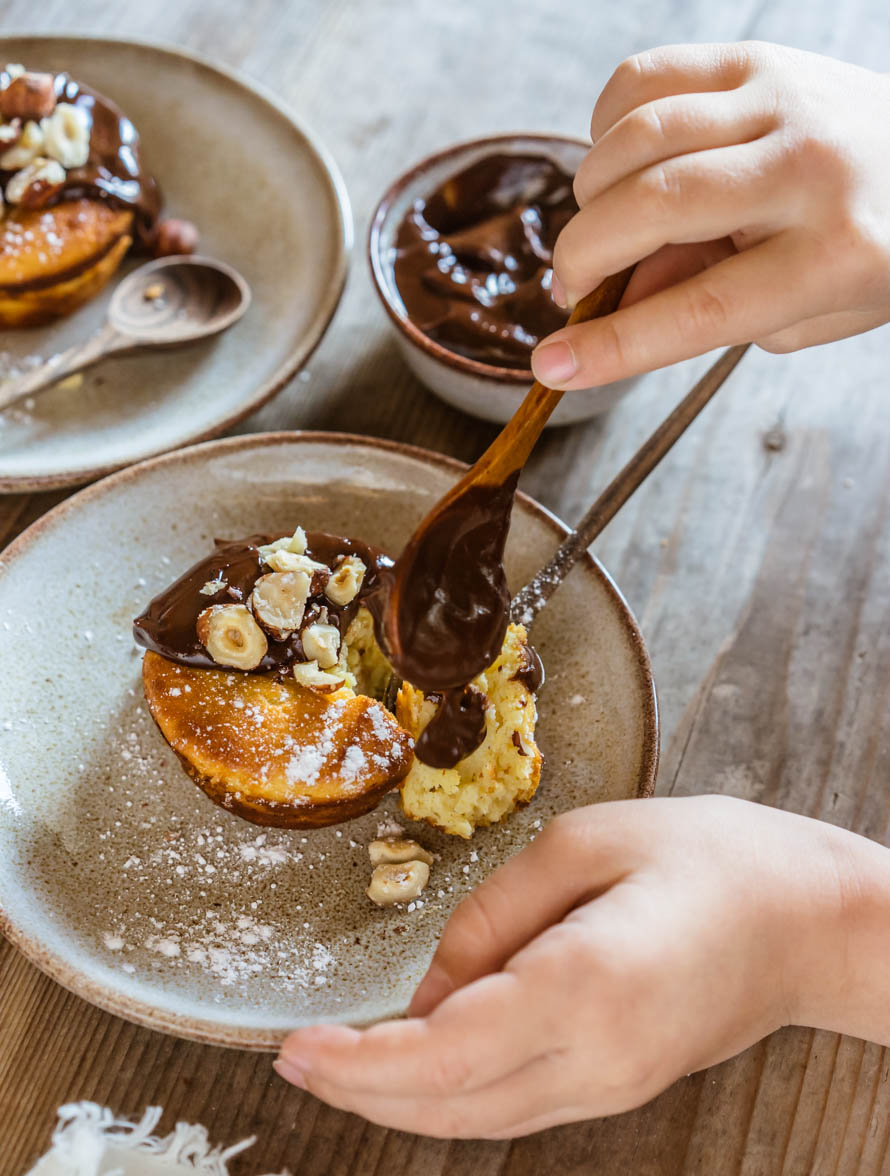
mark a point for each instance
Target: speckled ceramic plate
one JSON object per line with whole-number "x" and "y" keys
{"x": 122, "y": 880}
{"x": 266, "y": 198}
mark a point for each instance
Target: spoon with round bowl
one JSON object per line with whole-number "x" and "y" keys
{"x": 164, "y": 303}
{"x": 444, "y": 614}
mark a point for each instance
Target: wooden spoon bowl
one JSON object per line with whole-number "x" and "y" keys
{"x": 164, "y": 303}
{"x": 178, "y": 300}
{"x": 446, "y": 609}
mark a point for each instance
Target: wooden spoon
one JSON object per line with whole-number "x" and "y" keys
{"x": 529, "y": 602}
{"x": 164, "y": 303}
{"x": 444, "y": 613}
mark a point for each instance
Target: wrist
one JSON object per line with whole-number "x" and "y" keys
{"x": 839, "y": 978}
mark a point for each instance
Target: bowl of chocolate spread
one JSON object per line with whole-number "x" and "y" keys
{"x": 461, "y": 250}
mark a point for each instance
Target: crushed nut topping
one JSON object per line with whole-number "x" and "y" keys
{"x": 394, "y": 882}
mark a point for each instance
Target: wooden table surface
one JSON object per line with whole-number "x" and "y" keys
{"x": 757, "y": 560}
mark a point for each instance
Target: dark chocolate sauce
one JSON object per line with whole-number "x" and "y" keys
{"x": 445, "y": 625}
{"x": 473, "y": 261}
{"x": 531, "y": 672}
{"x": 168, "y": 625}
{"x": 455, "y": 730}
{"x": 113, "y": 172}
{"x": 448, "y": 619}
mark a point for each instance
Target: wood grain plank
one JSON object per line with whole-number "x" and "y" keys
{"x": 761, "y": 577}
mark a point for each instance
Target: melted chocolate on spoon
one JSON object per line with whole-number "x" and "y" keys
{"x": 450, "y": 616}
{"x": 448, "y": 621}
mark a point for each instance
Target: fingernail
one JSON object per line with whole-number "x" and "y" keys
{"x": 558, "y": 292}
{"x": 431, "y": 991}
{"x": 289, "y": 1072}
{"x": 554, "y": 363}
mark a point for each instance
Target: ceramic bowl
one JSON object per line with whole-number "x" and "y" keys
{"x": 481, "y": 389}
{"x": 120, "y": 879}
{"x": 266, "y": 198}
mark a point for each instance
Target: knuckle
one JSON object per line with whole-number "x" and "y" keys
{"x": 621, "y": 964}
{"x": 752, "y": 55}
{"x": 574, "y": 951}
{"x": 817, "y": 161}
{"x": 618, "y": 90}
{"x": 647, "y": 124}
{"x": 707, "y": 311}
{"x": 629, "y": 72}
{"x": 662, "y": 189}
{"x": 560, "y": 835}
{"x": 449, "y": 1073}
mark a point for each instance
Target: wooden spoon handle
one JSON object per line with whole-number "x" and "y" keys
{"x": 531, "y": 599}
{"x": 510, "y": 449}
{"x": 57, "y": 367}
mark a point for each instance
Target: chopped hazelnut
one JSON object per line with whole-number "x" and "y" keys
{"x": 321, "y": 643}
{"x": 397, "y": 850}
{"x": 175, "y": 237}
{"x": 30, "y": 95}
{"x": 394, "y": 882}
{"x": 308, "y": 674}
{"x": 345, "y": 581}
{"x": 231, "y": 636}
{"x": 33, "y": 183}
{"x": 26, "y": 146}
{"x": 66, "y": 135}
{"x": 278, "y": 601}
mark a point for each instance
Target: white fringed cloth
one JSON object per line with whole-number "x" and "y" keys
{"x": 90, "y": 1140}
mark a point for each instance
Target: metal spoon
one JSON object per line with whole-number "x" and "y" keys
{"x": 531, "y": 599}
{"x": 164, "y": 303}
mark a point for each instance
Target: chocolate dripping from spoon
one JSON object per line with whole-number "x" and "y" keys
{"x": 442, "y": 611}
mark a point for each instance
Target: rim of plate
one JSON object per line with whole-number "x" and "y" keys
{"x": 327, "y": 305}
{"x": 205, "y": 1029}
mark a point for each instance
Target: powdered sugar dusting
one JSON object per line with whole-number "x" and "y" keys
{"x": 389, "y": 828}
{"x": 305, "y": 765}
{"x": 179, "y": 894}
{"x": 233, "y": 951}
{"x": 354, "y": 763}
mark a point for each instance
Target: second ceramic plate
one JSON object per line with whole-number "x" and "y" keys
{"x": 123, "y": 881}
{"x": 266, "y": 198}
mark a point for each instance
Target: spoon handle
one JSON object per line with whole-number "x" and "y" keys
{"x": 512, "y": 446}
{"x": 531, "y": 599}
{"x": 64, "y": 363}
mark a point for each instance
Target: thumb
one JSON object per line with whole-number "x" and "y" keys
{"x": 569, "y": 863}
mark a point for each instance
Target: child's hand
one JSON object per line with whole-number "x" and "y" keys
{"x": 754, "y": 181}
{"x": 630, "y": 944}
